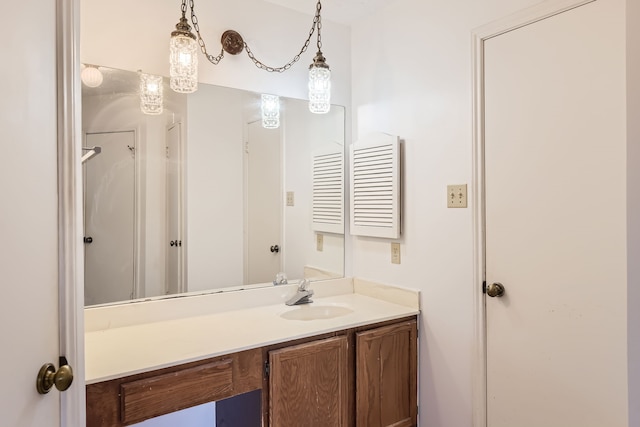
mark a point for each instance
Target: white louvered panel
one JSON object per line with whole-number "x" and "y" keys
{"x": 328, "y": 191}
{"x": 375, "y": 186}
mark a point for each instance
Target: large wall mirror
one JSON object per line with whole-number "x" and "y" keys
{"x": 203, "y": 197}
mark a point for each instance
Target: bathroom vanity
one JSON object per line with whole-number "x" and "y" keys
{"x": 347, "y": 359}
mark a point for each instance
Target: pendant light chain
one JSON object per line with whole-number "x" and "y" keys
{"x": 317, "y": 22}
{"x": 194, "y": 20}
{"x": 319, "y": 25}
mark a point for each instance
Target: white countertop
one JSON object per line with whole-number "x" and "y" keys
{"x": 115, "y": 352}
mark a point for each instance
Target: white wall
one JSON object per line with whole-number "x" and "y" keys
{"x": 134, "y": 35}
{"x": 214, "y": 199}
{"x": 420, "y": 89}
{"x": 304, "y": 133}
{"x": 633, "y": 207}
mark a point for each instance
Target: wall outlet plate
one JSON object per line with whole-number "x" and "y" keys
{"x": 457, "y": 196}
{"x": 395, "y": 253}
{"x": 319, "y": 242}
{"x": 290, "y": 198}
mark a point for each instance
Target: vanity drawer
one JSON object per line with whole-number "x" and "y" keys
{"x": 132, "y": 399}
{"x": 161, "y": 394}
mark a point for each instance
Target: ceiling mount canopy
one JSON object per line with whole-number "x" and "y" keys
{"x": 184, "y": 59}
{"x": 232, "y": 42}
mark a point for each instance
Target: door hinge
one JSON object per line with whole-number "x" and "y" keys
{"x": 484, "y": 287}
{"x": 267, "y": 368}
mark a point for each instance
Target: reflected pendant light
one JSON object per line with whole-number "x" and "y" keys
{"x": 270, "y": 111}
{"x": 183, "y": 57}
{"x": 151, "y": 97}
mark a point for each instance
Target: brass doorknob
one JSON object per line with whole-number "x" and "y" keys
{"x": 495, "y": 290}
{"x": 48, "y": 377}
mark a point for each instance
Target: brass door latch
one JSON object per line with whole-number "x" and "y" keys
{"x": 48, "y": 377}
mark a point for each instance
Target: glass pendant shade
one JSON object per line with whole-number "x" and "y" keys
{"x": 151, "y": 96}
{"x": 183, "y": 59}
{"x": 319, "y": 86}
{"x": 91, "y": 76}
{"x": 270, "y": 111}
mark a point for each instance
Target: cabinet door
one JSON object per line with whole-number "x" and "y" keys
{"x": 386, "y": 376}
{"x": 308, "y": 384}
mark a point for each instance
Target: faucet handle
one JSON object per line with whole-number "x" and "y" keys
{"x": 304, "y": 284}
{"x": 281, "y": 279}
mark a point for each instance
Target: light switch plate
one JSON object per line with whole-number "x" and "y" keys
{"x": 457, "y": 196}
{"x": 395, "y": 253}
{"x": 290, "y": 198}
{"x": 319, "y": 242}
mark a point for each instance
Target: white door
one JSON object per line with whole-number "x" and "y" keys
{"x": 110, "y": 218}
{"x": 174, "y": 211}
{"x": 555, "y": 221}
{"x": 264, "y": 203}
{"x": 29, "y": 330}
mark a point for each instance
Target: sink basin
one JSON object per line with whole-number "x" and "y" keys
{"x": 315, "y": 312}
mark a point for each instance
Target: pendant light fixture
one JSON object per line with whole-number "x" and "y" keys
{"x": 319, "y": 75}
{"x": 319, "y": 85}
{"x": 91, "y": 76}
{"x": 183, "y": 56}
{"x": 270, "y": 108}
{"x": 151, "y": 99}
{"x": 184, "y": 62}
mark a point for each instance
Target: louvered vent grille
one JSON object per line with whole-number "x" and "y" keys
{"x": 375, "y": 187}
{"x": 328, "y": 192}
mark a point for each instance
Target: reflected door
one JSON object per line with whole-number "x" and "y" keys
{"x": 174, "y": 247}
{"x": 109, "y": 212}
{"x": 264, "y": 204}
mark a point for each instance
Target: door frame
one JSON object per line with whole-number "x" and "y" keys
{"x": 181, "y": 211}
{"x": 70, "y": 249}
{"x": 479, "y": 35}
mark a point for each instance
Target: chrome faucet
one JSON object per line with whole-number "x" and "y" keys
{"x": 303, "y": 294}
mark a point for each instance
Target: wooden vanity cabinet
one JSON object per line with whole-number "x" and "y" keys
{"x": 366, "y": 377}
{"x": 362, "y": 377}
{"x": 309, "y": 384}
{"x": 386, "y": 376}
